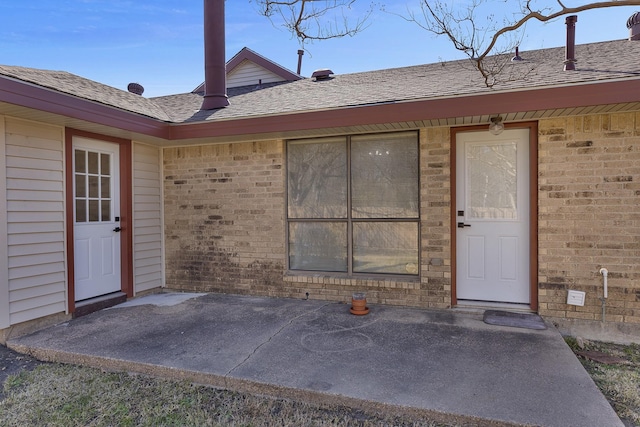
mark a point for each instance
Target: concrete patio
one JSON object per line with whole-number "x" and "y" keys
{"x": 444, "y": 365}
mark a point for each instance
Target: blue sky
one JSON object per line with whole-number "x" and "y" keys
{"x": 159, "y": 43}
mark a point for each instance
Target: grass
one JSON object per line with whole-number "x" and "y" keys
{"x": 66, "y": 395}
{"x": 620, "y": 383}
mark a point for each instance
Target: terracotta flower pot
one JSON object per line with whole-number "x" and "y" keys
{"x": 359, "y": 304}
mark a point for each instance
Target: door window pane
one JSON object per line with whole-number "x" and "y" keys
{"x": 93, "y": 163}
{"x": 93, "y": 186}
{"x": 81, "y": 210}
{"x": 385, "y": 177}
{"x": 105, "y": 207}
{"x": 81, "y": 185}
{"x": 105, "y": 187}
{"x": 94, "y": 211}
{"x": 491, "y": 181}
{"x": 80, "y": 161}
{"x": 317, "y": 178}
{"x": 318, "y": 246}
{"x": 105, "y": 160}
{"x": 385, "y": 247}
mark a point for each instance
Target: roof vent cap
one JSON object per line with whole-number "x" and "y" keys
{"x": 517, "y": 57}
{"x": 633, "y": 24}
{"x": 136, "y": 88}
{"x": 322, "y": 74}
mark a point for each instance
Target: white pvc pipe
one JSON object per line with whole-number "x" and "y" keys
{"x": 604, "y": 273}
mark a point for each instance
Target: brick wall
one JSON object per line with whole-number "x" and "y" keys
{"x": 435, "y": 196}
{"x": 225, "y": 221}
{"x": 589, "y": 215}
{"x": 224, "y": 212}
{"x": 225, "y": 226}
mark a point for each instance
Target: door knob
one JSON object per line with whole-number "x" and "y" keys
{"x": 117, "y": 229}
{"x": 463, "y": 225}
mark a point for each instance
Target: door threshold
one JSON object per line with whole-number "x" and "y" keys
{"x": 91, "y": 305}
{"x": 474, "y": 305}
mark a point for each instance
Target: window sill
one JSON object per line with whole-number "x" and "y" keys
{"x": 377, "y": 281}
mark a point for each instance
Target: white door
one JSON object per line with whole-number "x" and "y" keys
{"x": 96, "y": 218}
{"x": 492, "y": 216}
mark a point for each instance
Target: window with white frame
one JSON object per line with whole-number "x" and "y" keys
{"x": 353, "y": 204}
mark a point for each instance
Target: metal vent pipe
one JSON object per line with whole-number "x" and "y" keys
{"x": 300, "y": 53}
{"x": 570, "y": 49}
{"x": 633, "y": 24}
{"x": 215, "y": 73}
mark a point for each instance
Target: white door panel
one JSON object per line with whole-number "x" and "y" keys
{"x": 96, "y": 217}
{"x": 492, "y": 207}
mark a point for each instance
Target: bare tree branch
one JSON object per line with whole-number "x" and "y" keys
{"x": 310, "y": 20}
{"x": 476, "y": 30}
{"x": 480, "y": 43}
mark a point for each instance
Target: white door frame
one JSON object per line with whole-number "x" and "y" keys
{"x": 533, "y": 207}
{"x": 96, "y": 227}
{"x": 126, "y": 212}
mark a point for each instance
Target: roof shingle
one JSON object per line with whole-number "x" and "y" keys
{"x": 597, "y": 62}
{"x": 62, "y": 81}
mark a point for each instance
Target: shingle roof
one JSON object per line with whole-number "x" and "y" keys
{"x": 80, "y": 87}
{"x": 597, "y": 62}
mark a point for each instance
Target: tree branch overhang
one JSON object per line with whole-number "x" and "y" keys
{"x": 536, "y": 99}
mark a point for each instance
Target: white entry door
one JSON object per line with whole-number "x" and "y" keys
{"x": 492, "y": 216}
{"x": 96, "y": 218}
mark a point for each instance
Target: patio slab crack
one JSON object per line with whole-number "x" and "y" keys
{"x": 275, "y": 334}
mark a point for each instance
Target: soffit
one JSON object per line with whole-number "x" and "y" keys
{"x": 413, "y": 125}
{"x": 24, "y": 113}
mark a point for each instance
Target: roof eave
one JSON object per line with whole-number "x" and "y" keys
{"x": 36, "y": 97}
{"x": 579, "y": 95}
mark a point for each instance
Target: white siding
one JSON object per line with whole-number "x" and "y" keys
{"x": 35, "y": 250}
{"x": 147, "y": 218}
{"x": 249, "y": 73}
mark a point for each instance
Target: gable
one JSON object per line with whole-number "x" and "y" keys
{"x": 249, "y": 73}
{"x": 248, "y": 68}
